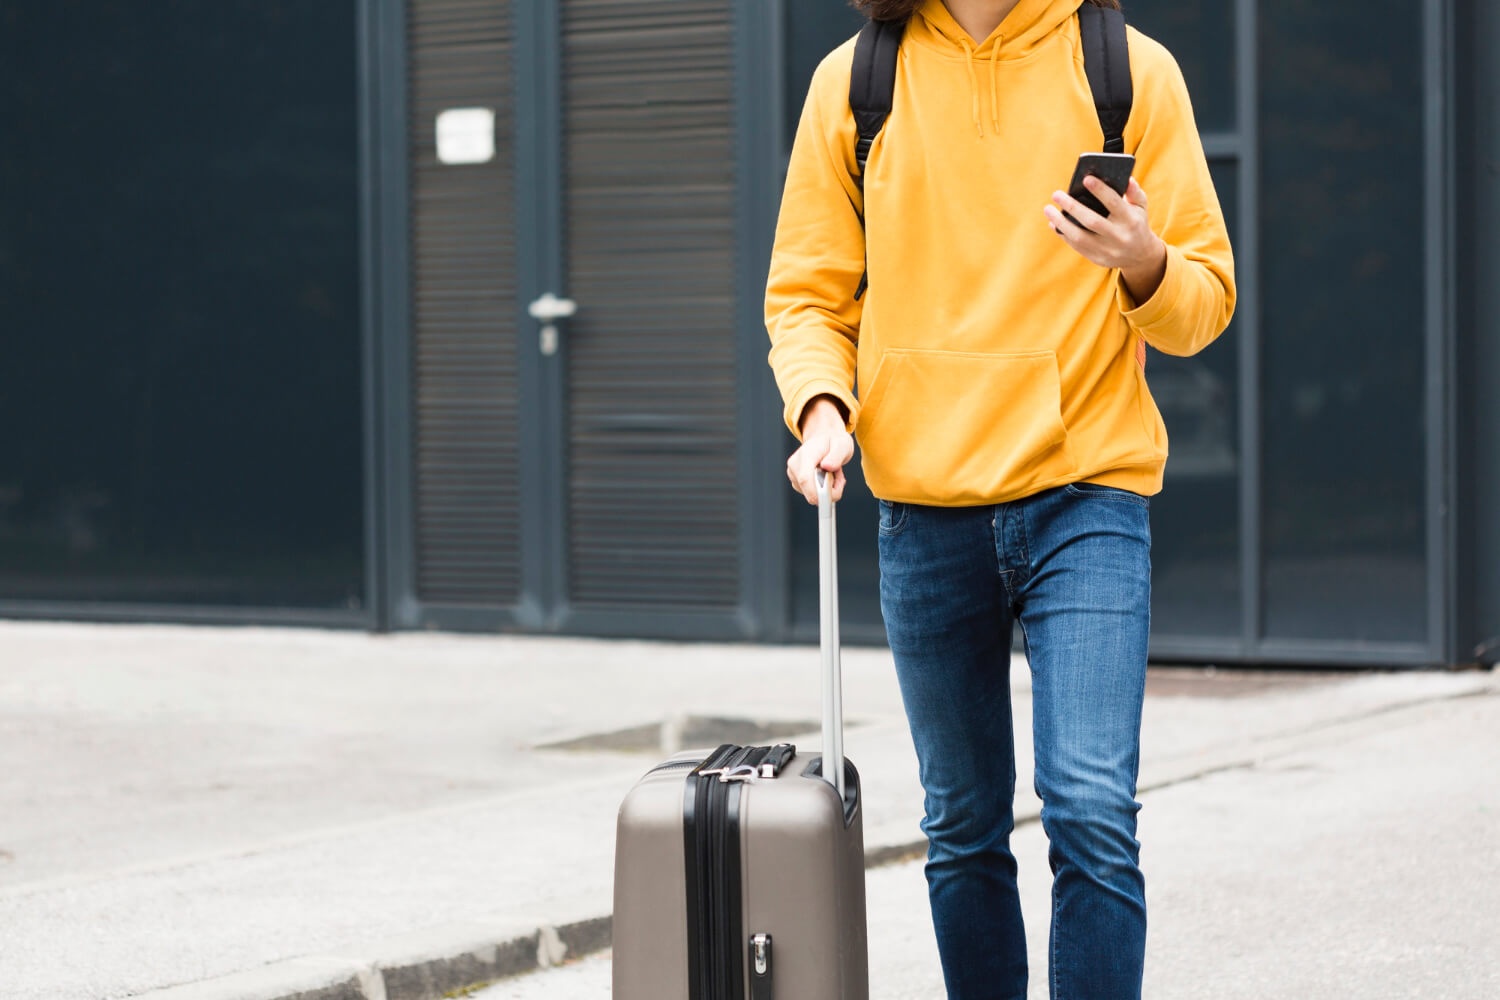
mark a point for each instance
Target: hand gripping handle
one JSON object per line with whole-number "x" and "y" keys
{"x": 828, "y": 600}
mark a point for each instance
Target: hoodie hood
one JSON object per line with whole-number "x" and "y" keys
{"x": 1026, "y": 25}
{"x": 1024, "y": 28}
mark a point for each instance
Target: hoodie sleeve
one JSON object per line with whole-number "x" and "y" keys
{"x": 819, "y": 253}
{"x": 1195, "y": 300}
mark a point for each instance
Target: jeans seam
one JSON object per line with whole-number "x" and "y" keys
{"x": 1052, "y": 944}
{"x": 1117, "y": 496}
{"x": 898, "y": 518}
{"x": 1026, "y": 542}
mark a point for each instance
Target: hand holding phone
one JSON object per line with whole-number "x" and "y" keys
{"x": 1113, "y": 169}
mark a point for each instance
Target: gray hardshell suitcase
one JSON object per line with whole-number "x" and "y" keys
{"x": 739, "y": 871}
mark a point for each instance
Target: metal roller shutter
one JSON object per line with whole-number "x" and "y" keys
{"x": 463, "y": 240}
{"x": 649, "y": 153}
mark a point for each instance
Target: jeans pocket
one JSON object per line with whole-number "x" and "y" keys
{"x": 1098, "y": 491}
{"x": 892, "y": 517}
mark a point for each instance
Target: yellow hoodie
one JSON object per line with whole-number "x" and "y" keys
{"x": 993, "y": 361}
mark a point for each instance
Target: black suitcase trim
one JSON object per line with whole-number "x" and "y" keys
{"x": 711, "y": 848}
{"x": 711, "y": 844}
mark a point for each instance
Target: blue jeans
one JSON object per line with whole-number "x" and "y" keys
{"x": 1073, "y": 565}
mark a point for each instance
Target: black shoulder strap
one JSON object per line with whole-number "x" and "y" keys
{"x": 872, "y": 83}
{"x": 1106, "y": 60}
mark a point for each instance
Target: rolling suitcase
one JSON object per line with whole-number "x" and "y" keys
{"x": 739, "y": 871}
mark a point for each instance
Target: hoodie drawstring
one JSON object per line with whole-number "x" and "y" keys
{"x": 995, "y": 86}
{"x": 973, "y": 89}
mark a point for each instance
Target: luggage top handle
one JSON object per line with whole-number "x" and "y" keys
{"x": 828, "y": 601}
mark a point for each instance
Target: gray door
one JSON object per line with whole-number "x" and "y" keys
{"x": 466, "y": 412}
{"x": 575, "y": 364}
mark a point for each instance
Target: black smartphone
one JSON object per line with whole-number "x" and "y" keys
{"x": 1113, "y": 169}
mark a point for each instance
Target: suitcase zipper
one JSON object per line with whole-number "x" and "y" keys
{"x": 762, "y": 987}
{"x": 733, "y": 766}
{"x": 675, "y": 765}
{"x": 699, "y": 882}
{"x": 711, "y": 839}
{"x": 726, "y": 943}
{"x": 718, "y": 759}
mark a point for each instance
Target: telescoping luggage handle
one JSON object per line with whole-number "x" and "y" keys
{"x": 828, "y": 601}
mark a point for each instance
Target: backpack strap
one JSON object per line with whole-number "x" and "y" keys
{"x": 1106, "y": 60}
{"x": 872, "y": 84}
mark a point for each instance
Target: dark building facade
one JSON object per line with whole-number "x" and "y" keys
{"x": 446, "y": 314}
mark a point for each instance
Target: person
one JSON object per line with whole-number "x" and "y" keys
{"x": 1006, "y": 428}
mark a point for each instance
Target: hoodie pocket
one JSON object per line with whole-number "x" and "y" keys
{"x": 958, "y": 428}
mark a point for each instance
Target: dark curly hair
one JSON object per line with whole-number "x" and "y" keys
{"x": 900, "y": 10}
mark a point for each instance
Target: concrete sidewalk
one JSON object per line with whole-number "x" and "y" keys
{"x": 265, "y": 814}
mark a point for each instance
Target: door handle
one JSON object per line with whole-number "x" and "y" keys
{"x": 548, "y": 309}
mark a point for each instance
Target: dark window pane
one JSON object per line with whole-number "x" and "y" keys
{"x": 1195, "y": 528}
{"x": 1200, "y": 34}
{"x": 1342, "y": 260}
{"x": 813, "y": 29}
{"x": 179, "y": 261}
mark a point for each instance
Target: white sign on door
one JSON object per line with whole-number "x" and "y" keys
{"x": 466, "y": 135}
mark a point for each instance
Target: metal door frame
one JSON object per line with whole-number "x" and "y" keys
{"x": 388, "y": 303}
{"x": 1476, "y": 32}
{"x": 765, "y": 562}
{"x": 543, "y": 380}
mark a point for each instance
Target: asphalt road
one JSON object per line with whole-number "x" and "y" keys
{"x": 1361, "y": 861}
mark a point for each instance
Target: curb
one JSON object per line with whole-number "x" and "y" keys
{"x": 439, "y": 963}
{"x": 444, "y": 962}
